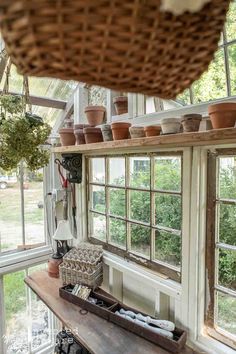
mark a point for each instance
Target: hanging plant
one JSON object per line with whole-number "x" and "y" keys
{"x": 21, "y": 135}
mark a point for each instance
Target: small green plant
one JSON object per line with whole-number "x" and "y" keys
{"x": 21, "y": 135}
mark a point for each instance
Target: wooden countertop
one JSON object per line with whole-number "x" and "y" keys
{"x": 96, "y": 334}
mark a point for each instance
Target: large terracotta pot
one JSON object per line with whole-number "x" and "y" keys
{"x": 67, "y": 137}
{"x": 222, "y": 115}
{"x": 79, "y": 134}
{"x": 120, "y": 130}
{"x": 152, "y": 130}
{"x": 191, "y": 122}
{"x": 121, "y": 104}
{"x": 95, "y": 115}
{"x": 93, "y": 135}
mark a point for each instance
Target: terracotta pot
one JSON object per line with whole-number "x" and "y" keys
{"x": 106, "y": 132}
{"x": 222, "y": 115}
{"x": 92, "y": 135}
{"x": 136, "y": 132}
{"x": 121, "y": 104}
{"x": 191, "y": 122}
{"x": 120, "y": 130}
{"x": 170, "y": 125}
{"x": 152, "y": 130}
{"x": 67, "y": 137}
{"x": 79, "y": 134}
{"x": 95, "y": 115}
{"x": 53, "y": 266}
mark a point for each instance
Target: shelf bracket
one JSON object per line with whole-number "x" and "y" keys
{"x": 73, "y": 164}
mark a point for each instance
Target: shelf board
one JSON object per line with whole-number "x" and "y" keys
{"x": 210, "y": 137}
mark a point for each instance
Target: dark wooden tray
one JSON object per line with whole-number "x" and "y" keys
{"x": 174, "y": 345}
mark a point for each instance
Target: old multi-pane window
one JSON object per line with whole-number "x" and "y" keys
{"x": 135, "y": 207}
{"x": 221, "y": 246}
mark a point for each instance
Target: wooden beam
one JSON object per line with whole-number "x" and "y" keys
{"x": 210, "y": 137}
{"x": 43, "y": 101}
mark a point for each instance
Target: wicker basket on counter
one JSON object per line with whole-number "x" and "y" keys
{"x": 83, "y": 265}
{"x": 129, "y": 46}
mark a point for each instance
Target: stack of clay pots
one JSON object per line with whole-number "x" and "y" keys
{"x": 95, "y": 116}
{"x": 66, "y": 133}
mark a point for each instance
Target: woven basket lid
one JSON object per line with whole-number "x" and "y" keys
{"x": 128, "y": 46}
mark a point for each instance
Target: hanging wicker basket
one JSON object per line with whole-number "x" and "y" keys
{"x": 127, "y": 45}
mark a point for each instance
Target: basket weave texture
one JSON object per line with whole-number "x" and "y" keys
{"x": 123, "y": 45}
{"x": 82, "y": 265}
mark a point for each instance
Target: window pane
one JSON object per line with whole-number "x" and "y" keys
{"x": 212, "y": 84}
{"x": 231, "y": 22}
{"x": 16, "y": 313}
{"x": 49, "y": 115}
{"x": 117, "y": 232}
{"x": 117, "y": 202}
{"x": 10, "y": 212}
{"x": 168, "y": 173}
{"x": 232, "y": 67}
{"x": 141, "y": 239}
{"x": 168, "y": 211}
{"x": 140, "y": 172}
{"x": 227, "y": 177}
{"x": 117, "y": 171}
{"x": 98, "y": 226}
{"x": 168, "y": 248}
{"x": 226, "y": 308}
{"x": 227, "y": 268}
{"x": 34, "y": 208}
{"x": 140, "y": 206}
{"x": 97, "y": 170}
{"x": 184, "y": 98}
{"x": 98, "y": 198}
{"x": 227, "y": 224}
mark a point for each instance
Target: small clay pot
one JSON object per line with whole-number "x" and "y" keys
{"x": 92, "y": 135}
{"x": 53, "y": 267}
{"x": 121, "y": 104}
{"x": 106, "y": 132}
{"x": 191, "y": 122}
{"x": 170, "y": 125}
{"x": 120, "y": 130}
{"x": 152, "y": 130}
{"x": 136, "y": 132}
{"x": 95, "y": 115}
{"x": 222, "y": 115}
{"x": 79, "y": 134}
{"x": 67, "y": 137}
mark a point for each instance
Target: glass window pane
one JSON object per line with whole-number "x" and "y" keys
{"x": 140, "y": 172}
{"x": 212, "y": 84}
{"x": 140, "y": 206}
{"x": 141, "y": 239}
{"x": 168, "y": 210}
{"x": 98, "y": 198}
{"x": 49, "y": 115}
{"x": 34, "y": 207}
{"x": 10, "y": 211}
{"x": 226, "y": 312}
{"x": 117, "y": 202}
{"x": 168, "y": 173}
{"x": 227, "y": 268}
{"x": 168, "y": 248}
{"x": 227, "y": 177}
{"x": 117, "y": 171}
{"x": 227, "y": 224}
{"x": 231, "y": 22}
{"x": 232, "y": 67}
{"x": 98, "y": 226}
{"x": 117, "y": 232}
{"x": 97, "y": 170}
{"x": 184, "y": 98}
{"x": 16, "y": 313}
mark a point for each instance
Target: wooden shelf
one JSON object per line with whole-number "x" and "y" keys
{"x": 99, "y": 336}
{"x": 210, "y": 137}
